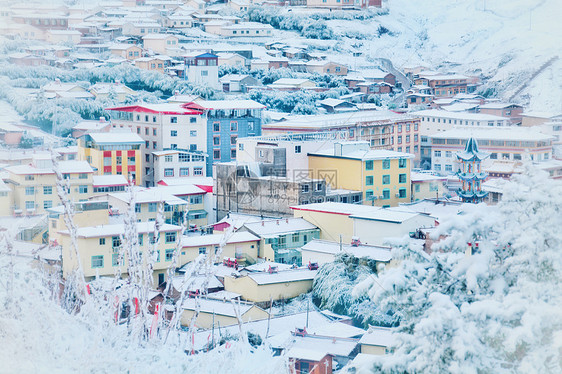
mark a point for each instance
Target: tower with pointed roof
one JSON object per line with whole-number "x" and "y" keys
{"x": 470, "y": 173}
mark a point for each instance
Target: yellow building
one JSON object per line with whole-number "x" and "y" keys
{"x": 113, "y": 153}
{"x": 189, "y": 202}
{"x": 34, "y": 187}
{"x": 382, "y": 176}
{"x": 427, "y": 186}
{"x": 86, "y": 213}
{"x": 223, "y": 313}
{"x": 377, "y": 341}
{"x": 98, "y": 248}
{"x": 332, "y": 218}
{"x": 6, "y": 200}
{"x": 261, "y": 287}
{"x": 243, "y": 246}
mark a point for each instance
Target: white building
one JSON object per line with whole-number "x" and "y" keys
{"x": 175, "y": 163}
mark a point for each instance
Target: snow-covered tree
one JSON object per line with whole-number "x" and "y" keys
{"x": 497, "y": 310}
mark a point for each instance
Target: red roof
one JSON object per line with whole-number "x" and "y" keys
{"x": 205, "y": 188}
{"x": 142, "y": 109}
{"x": 193, "y": 106}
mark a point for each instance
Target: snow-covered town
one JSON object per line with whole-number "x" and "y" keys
{"x": 272, "y": 186}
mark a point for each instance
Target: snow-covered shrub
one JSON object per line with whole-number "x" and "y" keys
{"x": 333, "y": 286}
{"x": 497, "y": 310}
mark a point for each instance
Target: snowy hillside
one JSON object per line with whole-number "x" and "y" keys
{"x": 503, "y": 40}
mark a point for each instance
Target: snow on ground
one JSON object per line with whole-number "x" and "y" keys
{"x": 40, "y": 337}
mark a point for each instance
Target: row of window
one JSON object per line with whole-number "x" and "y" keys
{"x": 369, "y": 180}
{"x": 98, "y": 261}
{"x": 217, "y": 140}
{"x": 233, "y": 126}
{"x": 402, "y": 193}
{"x": 402, "y": 163}
{"x": 30, "y": 205}
{"x": 182, "y": 157}
{"x": 183, "y": 172}
{"x": 48, "y": 190}
{"x": 217, "y": 154}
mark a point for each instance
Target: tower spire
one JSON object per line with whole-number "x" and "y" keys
{"x": 471, "y": 173}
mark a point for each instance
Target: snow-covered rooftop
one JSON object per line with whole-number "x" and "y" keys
{"x": 379, "y": 336}
{"x": 493, "y": 133}
{"x": 109, "y": 180}
{"x": 377, "y": 253}
{"x": 219, "y": 307}
{"x": 337, "y": 208}
{"x": 435, "y": 113}
{"x": 112, "y": 138}
{"x": 283, "y": 276}
{"x": 279, "y": 226}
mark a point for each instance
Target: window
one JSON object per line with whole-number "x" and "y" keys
{"x": 386, "y": 194}
{"x": 402, "y": 178}
{"x": 369, "y": 165}
{"x": 399, "y": 128}
{"x": 399, "y": 141}
{"x": 30, "y": 191}
{"x": 152, "y": 207}
{"x": 448, "y": 167}
{"x": 168, "y": 158}
{"x": 305, "y": 188}
{"x": 147, "y": 158}
{"x": 216, "y": 127}
{"x": 297, "y": 149}
{"x": 184, "y": 172}
{"x": 517, "y": 156}
{"x": 296, "y": 237}
{"x": 233, "y": 153}
{"x": 216, "y": 140}
{"x": 318, "y": 186}
{"x": 437, "y": 167}
{"x": 204, "y": 73}
{"x": 102, "y": 241}
{"x": 131, "y": 160}
{"x": 169, "y": 254}
{"x": 145, "y": 129}
{"x": 407, "y": 138}
{"x": 119, "y": 160}
{"x": 369, "y": 195}
{"x": 437, "y": 153}
{"x": 97, "y": 262}
{"x": 402, "y": 193}
{"x": 197, "y": 171}
{"x": 47, "y": 204}
{"x": 151, "y": 238}
{"x": 240, "y": 147}
{"x": 82, "y": 176}
{"x": 170, "y": 237}
{"x": 115, "y": 242}
{"x": 47, "y": 190}
{"x": 140, "y": 239}
{"x": 193, "y": 133}
{"x": 202, "y": 250}
{"x": 83, "y": 189}
{"x": 195, "y": 199}
{"x": 369, "y": 180}
{"x": 137, "y": 208}
{"x": 386, "y": 179}
{"x": 402, "y": 163}
{"x": 386, "y": 164}
{"x": 173, "y": 120}
{"x": 494, "y": 156}
{"x": 168, "y": 172}
{"x": 449, "y": 154}
{"x": 29, "y": 177}
{"x": 217, "y": 154}
{"x": 233, "y": 126}
{"x": 192, "y": 119}
{"x": 153, "y": 118}
{"x": 115, "y": 260}
{"x": 154, "y": 144}
{"x": 146, "y": 144}
{"x": 173, "y": 133}
{"x": 417, "y": 188}
{"x": 30, "y": 205}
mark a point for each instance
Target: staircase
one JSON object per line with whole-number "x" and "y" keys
{"x": 533, "y": 76}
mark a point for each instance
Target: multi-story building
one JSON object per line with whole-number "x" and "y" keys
{"x": 503, "y": 143}
{"x": 34, "y": 186}
{"x": 227, "y": 121}
{"x": 162, "y": 126}
{"x": 99, "y": 248}
{"x": 381, "y": 129}
{"x": 434, "y": 121}
{"x": 444, "y": 85}
{"x": 202, "y": 69}
{"x": 173, "y": 163}
{"x": 287, "y": 153}
{"x": 113, "y": 153}
{"x": 282, "y": 238}
{"x": 382, "y": 176}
